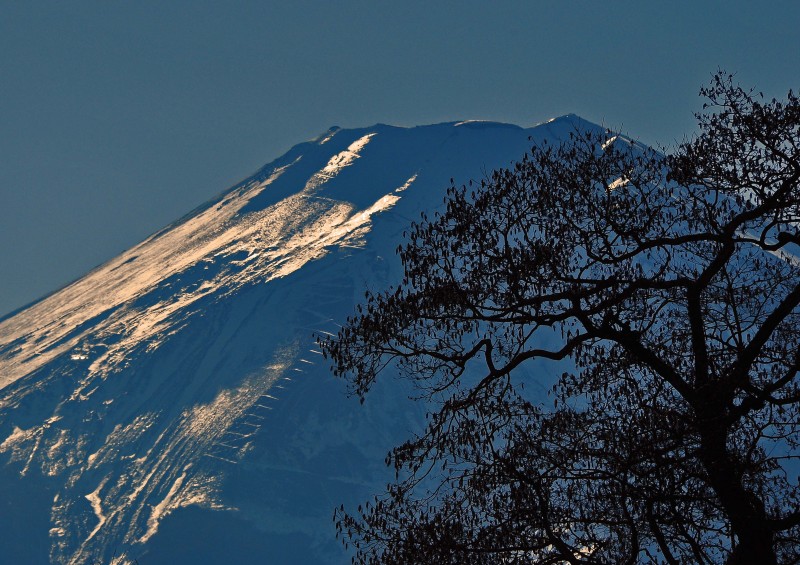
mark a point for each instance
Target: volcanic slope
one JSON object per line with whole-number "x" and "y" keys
{"x": 171, "y": 405}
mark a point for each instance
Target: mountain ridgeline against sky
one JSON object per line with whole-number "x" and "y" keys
{"x": 171, "y": 406}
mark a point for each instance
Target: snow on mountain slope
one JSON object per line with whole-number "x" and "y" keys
{"x": 171, "y": 406}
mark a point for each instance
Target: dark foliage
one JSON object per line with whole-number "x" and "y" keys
{"x": 665, "y": 286}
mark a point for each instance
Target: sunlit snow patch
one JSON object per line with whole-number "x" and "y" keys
{"x": 615, "y": 184}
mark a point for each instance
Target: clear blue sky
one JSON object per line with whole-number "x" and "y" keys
{"x": 118, "y": 117}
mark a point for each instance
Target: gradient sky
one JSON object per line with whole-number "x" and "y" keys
{"x": 119, "y": 117}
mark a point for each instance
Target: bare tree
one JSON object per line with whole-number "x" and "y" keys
{"x": 668, "y": 288}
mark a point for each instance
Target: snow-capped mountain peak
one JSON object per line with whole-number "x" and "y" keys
{"x": 171, "y": 406}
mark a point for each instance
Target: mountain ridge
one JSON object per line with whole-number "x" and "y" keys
{"x": 571, "y": 118}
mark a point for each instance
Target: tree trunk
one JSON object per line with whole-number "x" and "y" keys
{"x": 746, "y": 511}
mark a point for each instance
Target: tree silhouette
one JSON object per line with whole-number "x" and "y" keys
{"x": 667, "y": 289}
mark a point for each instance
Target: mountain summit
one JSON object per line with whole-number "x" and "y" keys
{"x": 171, "y": 406}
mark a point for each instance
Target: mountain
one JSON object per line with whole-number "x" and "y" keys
{"x": 171, "y": 406}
